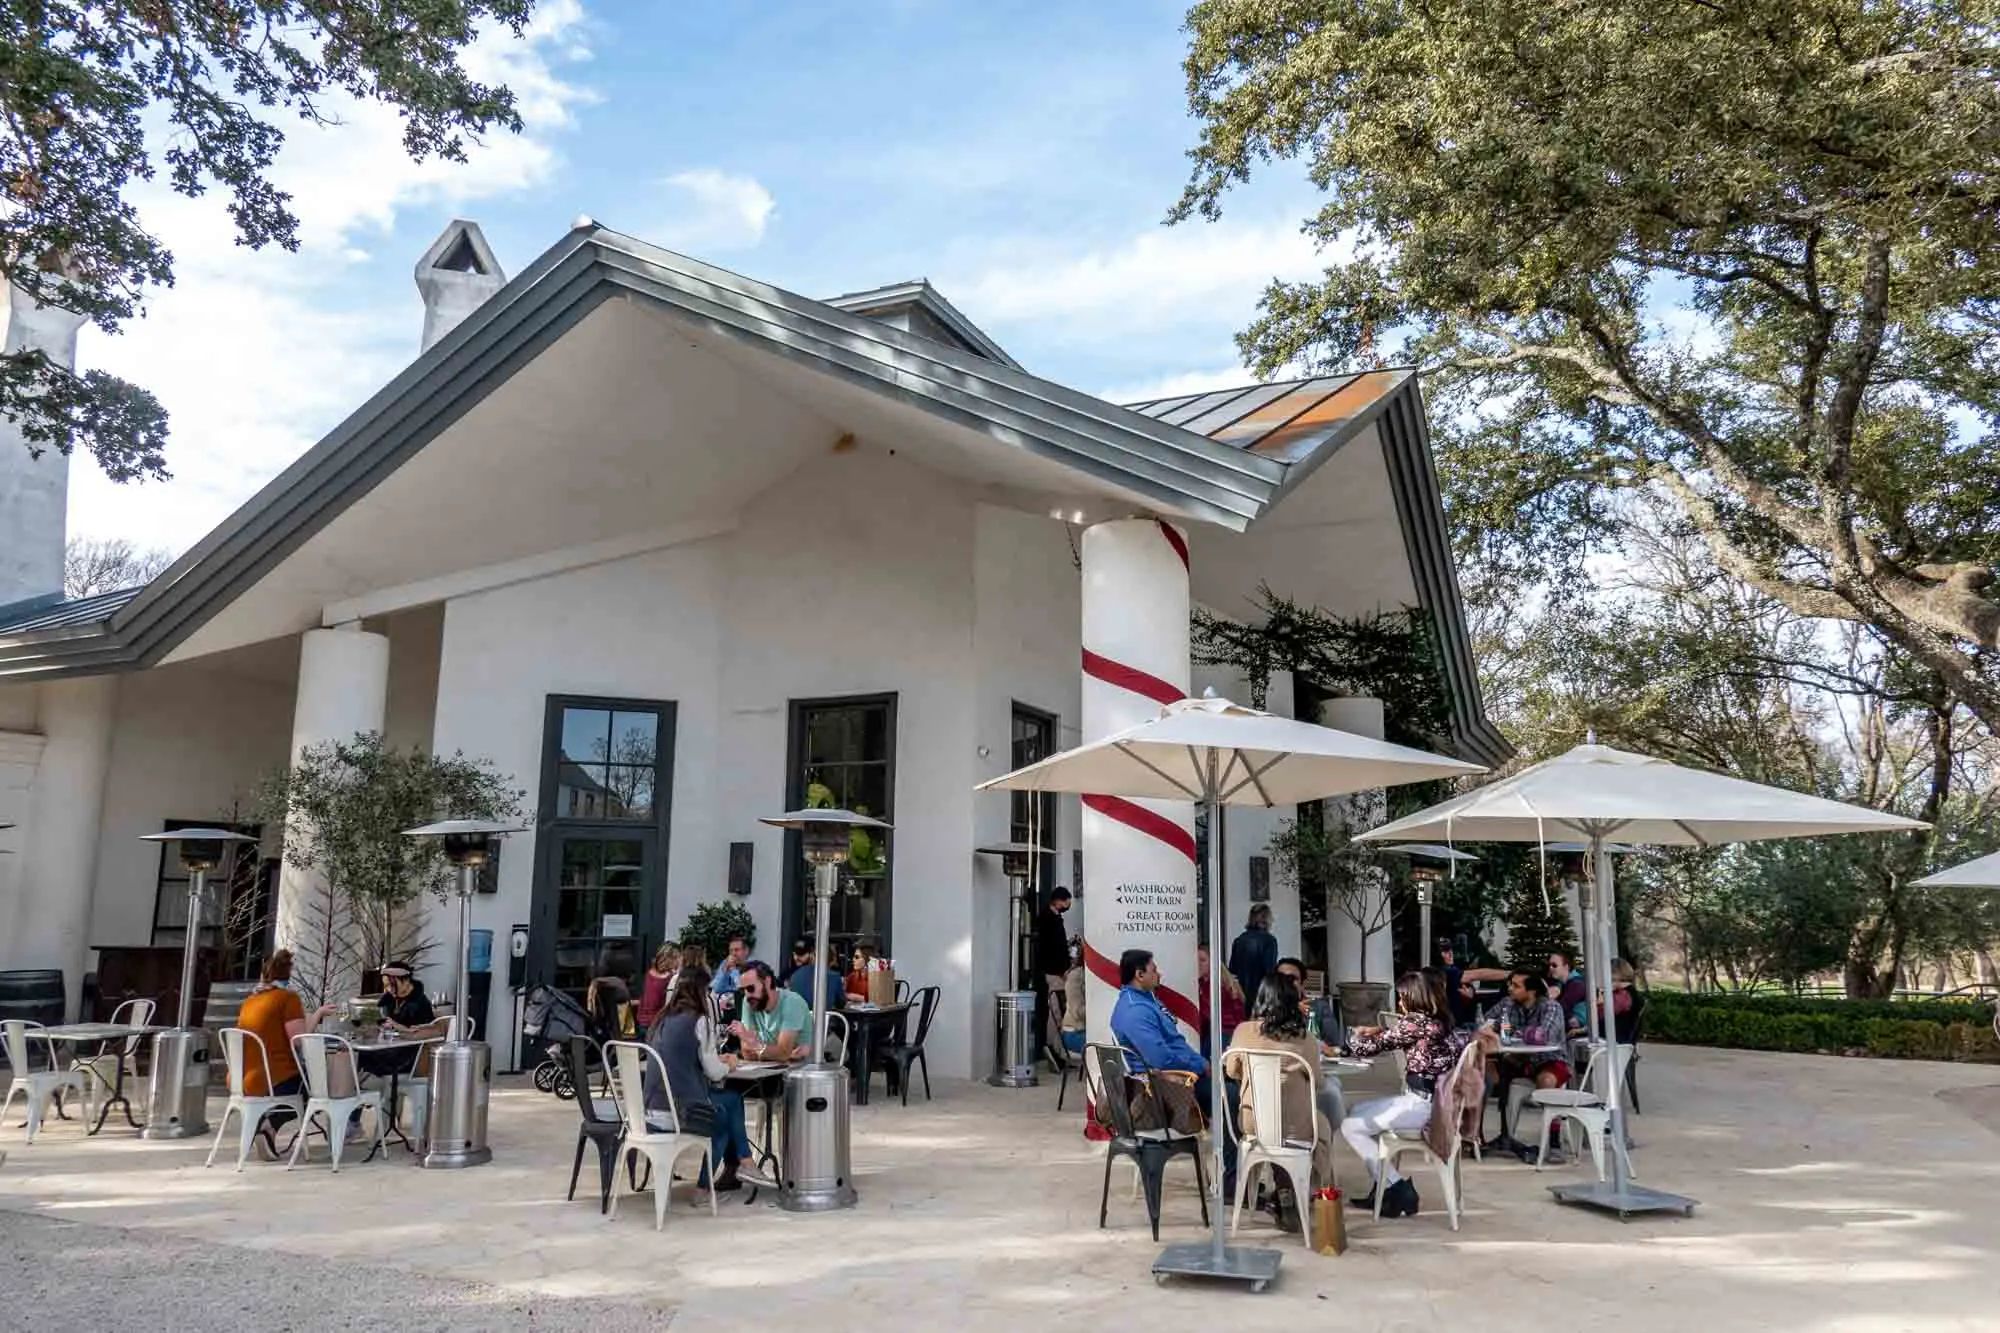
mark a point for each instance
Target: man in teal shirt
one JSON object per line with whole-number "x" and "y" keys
{"x": 772, "y": 1022}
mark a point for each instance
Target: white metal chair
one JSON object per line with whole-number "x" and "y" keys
{"x": 249, "y": 1110}
{"x": 653, "y": 1135}
{"x": 836, "y": 1038}
{"x": 42, "y": 1087}
{"x": 1583, "y": 1107}
{"x": 1395, "y": 1145}
{"x": 320, "y": 1058}
{"x": 1267, "y": 1144}
{"x": 101, "y": 1071}
{"x": 414, "y": 1088}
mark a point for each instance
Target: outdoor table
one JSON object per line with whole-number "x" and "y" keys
{"x": 764, "y": 1080}
{"x": 387, "y": 1043}
{"x": 864, "y": 1021}
{"x": 101, "y": 1035}
{"x": 1518, "y": 1048}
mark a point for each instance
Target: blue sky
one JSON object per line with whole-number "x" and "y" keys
{"x": 1020, "y": 156}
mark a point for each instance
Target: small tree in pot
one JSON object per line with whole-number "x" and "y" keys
{"x": 1322, "y": 851}
{"x": 343, "y": 806}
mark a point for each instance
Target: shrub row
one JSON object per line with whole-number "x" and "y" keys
{"x": 1907, "y": 1030}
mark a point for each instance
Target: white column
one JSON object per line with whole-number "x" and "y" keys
{"x": 58, "y": 873}
{"x": 343, "y": 691}
{"x": 1138, "y": 856}
{"x": 34, "y": 492}
{"x": 1362, "y": 811}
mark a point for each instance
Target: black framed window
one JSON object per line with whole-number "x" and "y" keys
{"x": 843, "y": 756}
{"x": 1032, "y": 815}
{"x": 237, "y": 909}
{"x": 608, "y": 765}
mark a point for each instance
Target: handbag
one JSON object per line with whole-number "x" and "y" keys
{"x": 1165, "y": 1099}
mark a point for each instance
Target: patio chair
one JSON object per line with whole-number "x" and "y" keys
{"x": 652, "y": 1135}
{"x": 1268, "y": 1145}
{"x": 1395, "y": 1145}
{"x": 249, "y": 1110}
{"x": 1630, "y": 1029}
{"x": 1109, "y": 1079}
{"x": 902, "y": 991}
{"x": 41, "y": 1087}
{"x": 101, "y": 1071}
{"x": 903, "y": 1054}
{"x": 414, "y": 1088}
{"x": 327, "y": 1064}
{"x": 836, "y": 1038}
{"x": 1584, "y": 1108}
{"x": 602, "y": 1123}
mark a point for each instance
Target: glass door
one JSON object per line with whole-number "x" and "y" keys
{"x": 600, "y": 888}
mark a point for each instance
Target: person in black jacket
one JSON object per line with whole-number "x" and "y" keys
{"x": 1255, "y": 953}
{"x": 1051, "y": 961}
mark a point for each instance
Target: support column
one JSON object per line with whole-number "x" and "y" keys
{"x": 343, "y": 691}
{"x": 1138, "y": 856}
{"x": 34, "y": 488}
{"x": 58, "y": 874}
{"x": 1361, "y": 811}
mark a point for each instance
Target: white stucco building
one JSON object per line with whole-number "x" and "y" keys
{"x": 669, "y": 545}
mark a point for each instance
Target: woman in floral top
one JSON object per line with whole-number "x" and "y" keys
{"x": 1431, "y": 1046}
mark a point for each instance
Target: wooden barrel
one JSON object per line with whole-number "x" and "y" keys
{"x": 32, "y": 993}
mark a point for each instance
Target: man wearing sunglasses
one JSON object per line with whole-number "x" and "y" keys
{"x": 772, "y": 1021}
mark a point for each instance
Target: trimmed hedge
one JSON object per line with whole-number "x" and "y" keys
{"x": 1896, "y": 1029}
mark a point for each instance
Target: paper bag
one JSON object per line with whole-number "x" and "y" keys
{"x": 882, "y": 988}
{"x": 1329, "y": 1222}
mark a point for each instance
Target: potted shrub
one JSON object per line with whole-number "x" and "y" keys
{"x": 1322, "y": 851}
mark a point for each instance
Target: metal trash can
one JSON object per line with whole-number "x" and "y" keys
{"x": 455, "y": 1117}
{"x": 813, "y": 1164}
{"x": 1013, "y": 1039}
{"x": 177, "y": 1088}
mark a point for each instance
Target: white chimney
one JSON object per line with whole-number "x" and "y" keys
{"x": 456, "y": 275}
{"x": 34, "y": 492}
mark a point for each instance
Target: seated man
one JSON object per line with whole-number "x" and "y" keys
{"x": 772, "y": 1023}
{"x": 1529, "y": 1016}
{"x": 1457, "y": 990}
{"x": 801, "y": 980}
{"x": 1143, "y": 1026}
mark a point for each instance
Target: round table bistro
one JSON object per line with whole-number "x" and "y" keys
{"x": 102, "y": 1035}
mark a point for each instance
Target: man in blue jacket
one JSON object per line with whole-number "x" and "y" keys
{"x": 1143, "y": 1026}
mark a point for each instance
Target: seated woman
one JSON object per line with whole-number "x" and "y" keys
{"x": 1423, "y": 1030}
{"x": 685, "y": 1037}
{"x": 1232, "y": 1002}
{"x": 659, "y": 981}
{"x": 1072, "y": 1016}
{"x": 1276, "y": 1023}
{"x": 405, "y": 1009}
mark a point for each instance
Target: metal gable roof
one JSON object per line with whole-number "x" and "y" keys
{"x": 46, "y": 614}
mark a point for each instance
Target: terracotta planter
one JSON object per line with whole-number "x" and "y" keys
{"x": 1362, "y": 1002}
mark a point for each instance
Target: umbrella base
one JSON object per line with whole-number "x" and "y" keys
{"x": 1233, "y": 1264}
{"x": 1624, "y": 1202}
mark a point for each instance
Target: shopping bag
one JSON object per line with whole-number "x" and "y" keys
{"x": 1329, "y": 1222}
{"x": 882, "y": 988}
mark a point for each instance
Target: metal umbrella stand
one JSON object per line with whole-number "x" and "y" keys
{"x": 177, "y": 1085}
{"x": 815, "y": 1161}
{"x": 461, "y": 1082}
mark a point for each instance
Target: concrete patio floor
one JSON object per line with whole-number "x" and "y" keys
{"x": 1842, "y": 1196}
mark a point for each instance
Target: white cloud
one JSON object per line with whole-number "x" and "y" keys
{"x": 1175, "y": 385}
{"x": 255, "y": 354}
{"x": 1192, "y": 273}
{"x": 714, "y": 211}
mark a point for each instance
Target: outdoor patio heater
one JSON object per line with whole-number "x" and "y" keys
{"x": 177, "y": 1087}
{"x": 461, "y": 1068}
{"x": 814, "y": 1161}
{"x": 1014, "y": 1036}
{"x": 1424, "y": 880}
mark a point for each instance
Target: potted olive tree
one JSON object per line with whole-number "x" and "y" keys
{"x": 1322, "y": 851}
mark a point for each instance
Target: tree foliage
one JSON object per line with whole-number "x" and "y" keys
{"x": 96, "y": 98}
{"x": 1740, "y": 257}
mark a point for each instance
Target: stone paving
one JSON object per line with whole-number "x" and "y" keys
{"x": 1838, "y": 1196}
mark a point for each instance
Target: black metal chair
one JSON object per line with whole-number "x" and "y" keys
{"x": 1150, "y": 1150}
{"x": 902, "y": 991}
{"x": 602, "y": 1123}
{"x": 900, "y": 1055}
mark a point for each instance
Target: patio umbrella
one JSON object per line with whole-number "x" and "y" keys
{"x": 1983, "y": 873}
{"x": 1594, "y": 793}
{"x": 1218, "y": 753}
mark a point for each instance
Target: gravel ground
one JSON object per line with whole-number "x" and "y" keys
{"x": 79, "y": 1275}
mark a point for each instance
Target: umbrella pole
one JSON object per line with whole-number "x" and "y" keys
{"x": 1619, "y": 1194}
{"x": 1215, "y": 1258}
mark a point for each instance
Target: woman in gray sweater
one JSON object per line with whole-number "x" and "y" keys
{"x": 685, "y": 1037}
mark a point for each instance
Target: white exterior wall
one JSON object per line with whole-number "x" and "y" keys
{"x": 855, "y": 576}
{"x": 1250, "y": 828}
{"x": 187, "y": 744}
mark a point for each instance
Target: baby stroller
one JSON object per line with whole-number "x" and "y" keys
{"x": 552, "y": 1017}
